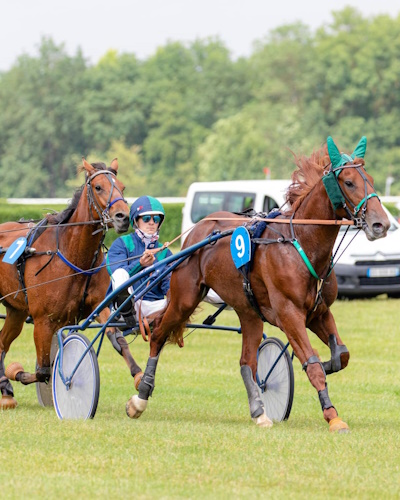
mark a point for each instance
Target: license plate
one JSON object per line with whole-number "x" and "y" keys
{"x": 383, "y": 272}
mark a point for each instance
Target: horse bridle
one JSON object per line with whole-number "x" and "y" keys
{"x": 338, "y": 197}
{"x": 104, "y": 215}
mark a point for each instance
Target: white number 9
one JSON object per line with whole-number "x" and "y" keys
{"x": 240, "y": 246}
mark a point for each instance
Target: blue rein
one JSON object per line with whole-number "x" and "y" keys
{"x": 89, "y": 272}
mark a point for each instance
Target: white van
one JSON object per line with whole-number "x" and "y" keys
{"x": 204, "y": 198}
{"x": 365, "y": 268}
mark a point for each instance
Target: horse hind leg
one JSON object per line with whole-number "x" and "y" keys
{"x": 251, "y": 336}
{"x": 256, "y": 406}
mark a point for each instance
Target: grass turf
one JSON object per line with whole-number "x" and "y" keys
{"x": 196, "y": 439}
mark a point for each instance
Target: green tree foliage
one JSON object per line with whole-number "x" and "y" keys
{"x": 190, "y": 112}
{"x": 110, "y": 106}
{"x": 40, "y": 125}
{"x": 234, "y": 150}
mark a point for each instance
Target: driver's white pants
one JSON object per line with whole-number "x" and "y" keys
{"x": 146, "y": 307}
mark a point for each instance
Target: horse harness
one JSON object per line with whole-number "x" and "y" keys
{"x": 338, "y": 199}
{"x": 35, "y": 232}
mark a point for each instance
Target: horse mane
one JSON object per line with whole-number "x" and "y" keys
{"x": 66, "y": 214}
{"x": 309, "y": 171}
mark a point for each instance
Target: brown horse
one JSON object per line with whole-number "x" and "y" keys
{"x": 283, "y": 288}
{"x": 46, "y": 281}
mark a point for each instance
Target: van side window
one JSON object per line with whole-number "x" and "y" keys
{"x": 237, "y": 202}
{"x": 205, "y": 203}
{"x": 269, "y": 204}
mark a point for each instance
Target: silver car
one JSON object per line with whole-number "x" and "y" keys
{"x": 368, "y": 268}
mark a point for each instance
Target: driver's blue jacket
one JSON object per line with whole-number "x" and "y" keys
{"x": 125, "y": 253}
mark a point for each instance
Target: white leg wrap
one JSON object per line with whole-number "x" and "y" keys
{"x": 263, "y": 421}
{"x": 135, "y": 406}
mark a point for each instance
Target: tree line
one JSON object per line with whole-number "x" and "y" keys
{"x": 190, "y": 112}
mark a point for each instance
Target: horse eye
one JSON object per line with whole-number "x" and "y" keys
{"x": 348, "y": 183}
{"x": 98, "y": 188}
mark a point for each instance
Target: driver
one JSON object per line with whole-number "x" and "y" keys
{"x": 133, "y": 252}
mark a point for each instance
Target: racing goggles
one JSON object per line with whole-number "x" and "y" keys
{"x": 147, "y": 218}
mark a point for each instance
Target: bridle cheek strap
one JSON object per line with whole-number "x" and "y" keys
{"x": 338, "y": 199}
{"x": 104, "y": 215}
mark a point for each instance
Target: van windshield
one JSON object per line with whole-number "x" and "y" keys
{"x": 205, "y": 203}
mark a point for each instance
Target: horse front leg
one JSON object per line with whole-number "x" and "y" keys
{"x": 252, "y": 328}
{"x": 168, "y": 325}
{"x": 137, "y": 404}
{"x": 324, "y": 326}
{"x": 7, "y": 401}
{"x": 292, "y": 322}
{"x": 12, "y": 328}
{"x": 42, "y": 334}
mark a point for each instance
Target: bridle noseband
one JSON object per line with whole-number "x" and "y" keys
{"x": 104, "y": 215}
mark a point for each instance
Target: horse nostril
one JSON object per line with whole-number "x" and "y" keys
{"x": 120, "y": 216}
{"x": 378, "y": 228}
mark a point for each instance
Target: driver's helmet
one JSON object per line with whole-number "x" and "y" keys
{"x": 146, "y": 205}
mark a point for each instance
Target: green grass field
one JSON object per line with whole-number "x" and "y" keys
{"x": 196, "y": 439}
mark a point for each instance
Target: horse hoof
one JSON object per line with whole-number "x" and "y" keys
{"x": 135, "y": 406}
{"x": 337, "y": 425}
{"x": 7, "y": 403}
{"x": 263, "y": 421}
{"x": 137, "y": 379}
{"x": 13, "y": 369}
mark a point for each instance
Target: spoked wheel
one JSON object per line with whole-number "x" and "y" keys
{"x": 276, "y": 386}
{"x": 79, "y": 400}
{"x": 43, "y": 390}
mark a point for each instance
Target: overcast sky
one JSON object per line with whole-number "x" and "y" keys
{"x": 140, "y": 27}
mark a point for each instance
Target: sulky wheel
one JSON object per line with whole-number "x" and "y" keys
{"x": 79, "y": 400}
{"x": 276, "y": 386}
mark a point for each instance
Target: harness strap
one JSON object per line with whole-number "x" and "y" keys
{"x": 32, "y": 236}
{"x": 144, "y": 326}
{"x": 250, "y": 295}
{"x": 306, "y": 260}
{"x": 86, "y": 290}
{"x": 255, "y": 230}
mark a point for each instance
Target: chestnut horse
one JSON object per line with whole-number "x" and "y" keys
{"x": 52, "y": 280}
{"x": 290, "y": 284}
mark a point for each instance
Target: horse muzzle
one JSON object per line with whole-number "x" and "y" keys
{"x": 376, "y": 230}
{"x": 120, "y": 221}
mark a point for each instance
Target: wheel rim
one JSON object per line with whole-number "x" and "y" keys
{"x": 80, "y": 400}
{"x": 278, "y": 393}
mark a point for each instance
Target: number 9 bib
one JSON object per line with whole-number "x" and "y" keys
{"x": 240, "y": 246}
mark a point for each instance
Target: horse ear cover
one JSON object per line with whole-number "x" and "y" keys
{"x": 334, "y": 153}
{"x": 361, "y": 147}
{"x": 329, "y": 180}
{"x": 337, "y": 160}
